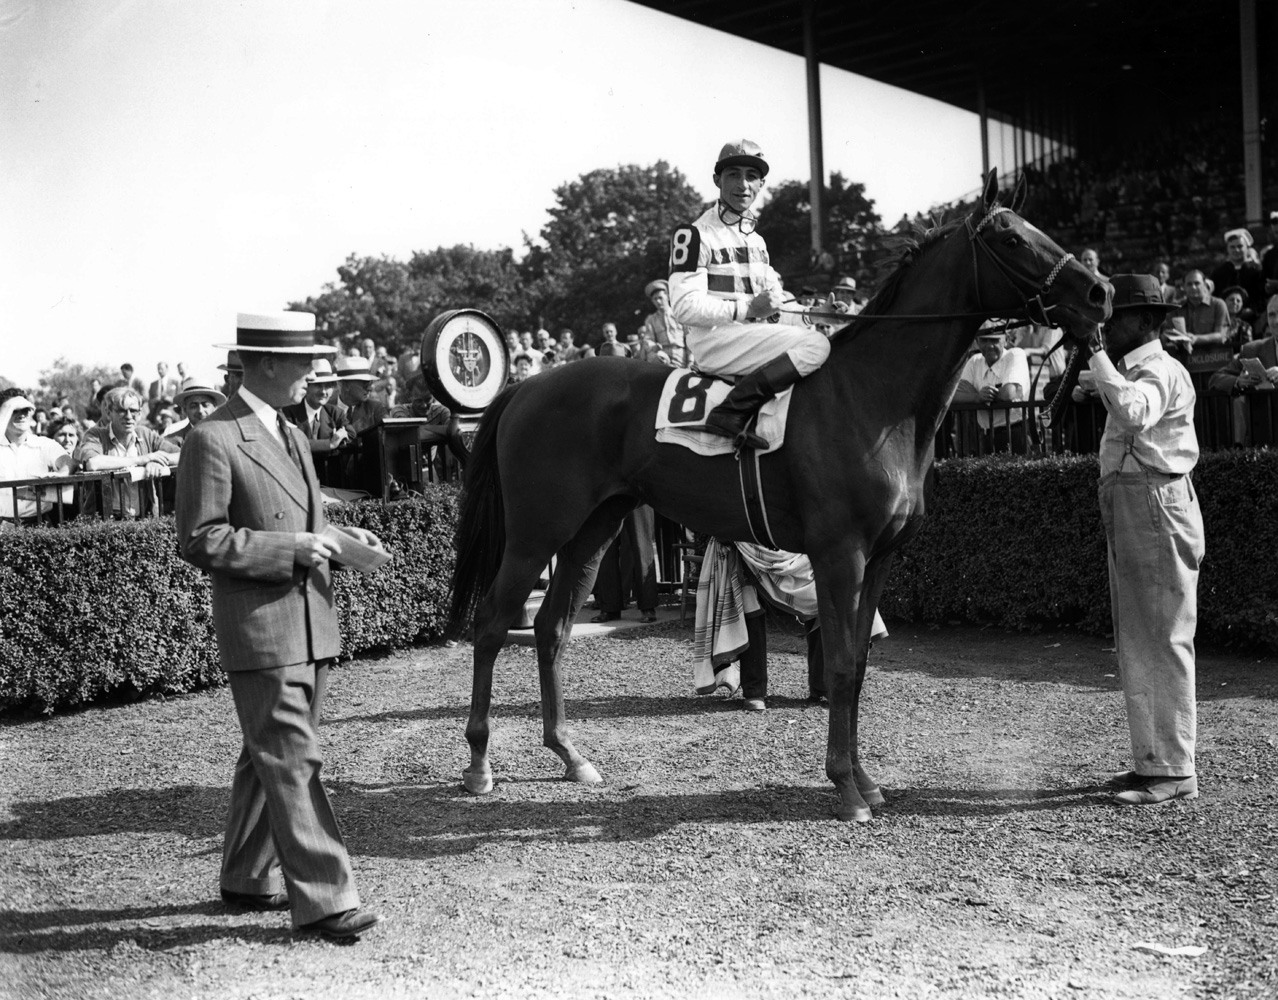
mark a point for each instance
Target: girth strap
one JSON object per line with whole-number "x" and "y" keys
{"x": 752, "y": 497}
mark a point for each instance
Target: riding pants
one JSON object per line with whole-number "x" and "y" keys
{"x": 740, "y": 348}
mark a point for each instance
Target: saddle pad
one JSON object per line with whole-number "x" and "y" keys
{"x": 687, "y": 397}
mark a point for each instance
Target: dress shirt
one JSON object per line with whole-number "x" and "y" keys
{"x": 1151, "y": 411}
{"x": 264, "y": 412}
{"x": 1011, "y": 368}
{"x": 32, "y": 456}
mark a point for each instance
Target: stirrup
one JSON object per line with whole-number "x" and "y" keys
{"x": 747, "y": 439}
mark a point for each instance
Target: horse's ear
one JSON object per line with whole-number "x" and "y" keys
{"x": 1018, "y": 196}
{"x": 989, "y": 197}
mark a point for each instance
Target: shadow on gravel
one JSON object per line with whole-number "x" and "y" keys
{"x": 191, "y": 810}
{"x": 38, "y": 931}
{"x": 620, "y": 707}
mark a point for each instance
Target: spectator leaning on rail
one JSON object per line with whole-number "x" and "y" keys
{"x": 354, "y": 386}
{"x": 721, "y": 287}
{"x": 997, "y": 373}
{"x": 123, "y": 442}
{"x": 1154, "y": 533}
{"x": 24, "y": 454}
{"x": 317, "y": 415}
{"x": 1237, "y": 376}
{"x": 1204, "y": 317}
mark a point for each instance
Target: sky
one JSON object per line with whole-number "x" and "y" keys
{"x": 167, "y": 164}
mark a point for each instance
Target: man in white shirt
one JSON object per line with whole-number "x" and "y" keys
{"x": 997, "y": 374}
{"x": 1154, "y": 533}
{"x": 24, "y": 454}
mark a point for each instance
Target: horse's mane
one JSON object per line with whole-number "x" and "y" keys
{"x": 906, "y": 250}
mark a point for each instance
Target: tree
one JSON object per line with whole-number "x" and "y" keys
{"x": 608, "y": 236}
{"x": 853, "y": 231}
{"x": 393, "y": 302}
{"x": 73, "y": 381}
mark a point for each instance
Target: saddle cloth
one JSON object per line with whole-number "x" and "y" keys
{"x": 688, "y": 396}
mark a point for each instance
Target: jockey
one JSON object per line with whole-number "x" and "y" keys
{"x": 721, "y": 288}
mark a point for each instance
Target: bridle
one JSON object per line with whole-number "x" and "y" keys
{"x": 1033, "y": 306}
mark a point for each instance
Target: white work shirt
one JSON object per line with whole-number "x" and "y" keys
{"x": 1150, "y": 411}
{"x": 1011, "y": 368}
{"x": 32, "y": 456}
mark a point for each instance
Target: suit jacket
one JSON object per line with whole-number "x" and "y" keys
{"x": 1226, "y": 379}
{"x": 329, "y": 421}
{"x": 240, "y": 499}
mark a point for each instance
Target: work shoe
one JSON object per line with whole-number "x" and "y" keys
{"x": 344, "y": 926}
{"x": 754, "y": 705}
{"x": 1155, "y": 790}
{"x": 1121, "y": 781}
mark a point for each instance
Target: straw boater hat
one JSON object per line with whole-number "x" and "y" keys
{"x": 277, "y": 333}
{"x": 846, "y": 282}
{"x": 194, "y": 386}
{"x": 652, "y": 287}
{"x": 354, "y": 370}
{"x": 232, "y": 363}
{"x": 321, "y": 373}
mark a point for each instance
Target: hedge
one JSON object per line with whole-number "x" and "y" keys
{"x": 109, "y": 609}
{"x": 97, "y": 610}
{"x": 1019, "y": 543}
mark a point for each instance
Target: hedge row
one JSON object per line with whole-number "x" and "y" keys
{"x": 1020, "y": 543}
{"x": 109, "y": 609}
{"x": 98, "y": 610}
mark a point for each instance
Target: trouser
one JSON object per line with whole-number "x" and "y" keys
{"x": 1154, "y": 533}
{"x": 280, "y": 820}
{"x": 754, "y": 661}
{"x": 629, "y": 562}
{"x": 741, "y": 348}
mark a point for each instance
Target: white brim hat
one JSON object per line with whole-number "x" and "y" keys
{"x": 197, "y": 387}
{"x": 276, "y": 333}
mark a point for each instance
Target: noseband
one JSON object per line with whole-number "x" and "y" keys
{"x": 1034, "y": 306}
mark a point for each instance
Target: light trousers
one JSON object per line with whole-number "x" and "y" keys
{"x": 740, "y": 348}
{"x": 1154, "y": 531}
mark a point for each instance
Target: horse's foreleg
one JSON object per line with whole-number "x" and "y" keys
{"x": 493, "y": 618}
{"x": 876, "y": 575}
{"x": 574, "y": 576}
{"x": 839, "y": 574}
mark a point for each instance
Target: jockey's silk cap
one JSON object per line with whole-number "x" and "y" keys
{"x": 321, "y": 373}
{"x": 742, "y": 153}
{"x": 277, "y": 333}
{"x": 354, "y": 370}
{"x": 1138, "y": 291}
{"x": 195, "y": 386}
{"x": 232, "y": 363}
{"x": 660, "y": 285}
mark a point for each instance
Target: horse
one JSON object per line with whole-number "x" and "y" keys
{"x": 558, "y": 461}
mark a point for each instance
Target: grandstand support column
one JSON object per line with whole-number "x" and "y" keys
{"x": 816, "y": 186}
{"x": 1250, "y": 110}
{"x": 983, "y": 114}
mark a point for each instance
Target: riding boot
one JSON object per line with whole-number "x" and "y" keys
{"x": 816, "y": 662}
{"x": 731, "y": 416}
{"x": 754, "y": 662}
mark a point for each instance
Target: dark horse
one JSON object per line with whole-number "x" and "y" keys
{"x": 559, "y": 460}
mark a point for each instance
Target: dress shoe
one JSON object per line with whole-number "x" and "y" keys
{"x": 343, "y": 926}
{"x": 649, "y": 617}
{"x": 256, "y": 901}
{"x": 1121, "y": 781}
{"x": 754, "y": 705}
{"x": 606, "y": 616}
{"x": 1154, "y": 790}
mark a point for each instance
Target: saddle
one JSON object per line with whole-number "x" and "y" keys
{"x": 688, "y": 396}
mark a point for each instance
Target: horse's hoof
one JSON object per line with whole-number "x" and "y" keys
{"x": 869, "y": 789}
{"x": 584, "y": 774}
{"x": 477, "y": 782}
{"x": 853, "y": 813}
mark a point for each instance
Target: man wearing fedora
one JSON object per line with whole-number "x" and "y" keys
{"x": 195, "y": 401}
{"x": 249, "y": 512}
{"x": 661, "y": 327}
{"x": 317, "y": 415}
{"x": 234, "y": 373}
{"x": 721, "y": 286}
{"x": 1154, "y": 533}
{"x": 354, "y": 388}
{"x": 843, "y": 296}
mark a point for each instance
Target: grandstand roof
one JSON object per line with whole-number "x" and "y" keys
{"x": 1045, "y": 60}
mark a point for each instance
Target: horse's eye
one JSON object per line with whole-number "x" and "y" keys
{"x": 1013, "y": 241}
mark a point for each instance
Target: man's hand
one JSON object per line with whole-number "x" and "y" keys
{"x": 311, "y": 550}
{"x": 988, "y": 393}
{"x": 166, "y": 458}
{"x": 365, "y": 536}
{"x": 765, "y": 304}
{"x": 340, "y": 437}
{"x": 1247, "y": 380}
{"x": 154, "y": 470}
{"x": 1273, "y": 374}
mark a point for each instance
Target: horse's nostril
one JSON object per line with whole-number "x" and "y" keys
{"x": 1098, "y": 295}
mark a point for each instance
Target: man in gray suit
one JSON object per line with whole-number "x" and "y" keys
{"x": 249, "y": 512}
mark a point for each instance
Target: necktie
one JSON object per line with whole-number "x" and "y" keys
{"x": 290, "y": 446}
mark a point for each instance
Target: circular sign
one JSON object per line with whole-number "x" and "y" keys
{"x": 465, "y": 359}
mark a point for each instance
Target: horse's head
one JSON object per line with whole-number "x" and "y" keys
{"x": 1019, "y": 270}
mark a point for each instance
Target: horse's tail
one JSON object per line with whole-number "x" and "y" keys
{"x": 481, "y": 531}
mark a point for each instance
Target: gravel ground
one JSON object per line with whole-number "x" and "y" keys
{"x": 706, "y": 865}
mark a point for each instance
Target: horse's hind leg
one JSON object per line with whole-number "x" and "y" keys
{"x": 504, "y": 600}
{"x": 574, "y": 577}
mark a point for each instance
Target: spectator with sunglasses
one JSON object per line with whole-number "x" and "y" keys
{"x": 24, "y": 454}
{"x": 122, "y": 441}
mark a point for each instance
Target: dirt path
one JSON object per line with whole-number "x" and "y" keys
{"x": 705, "y": 866}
